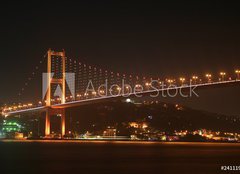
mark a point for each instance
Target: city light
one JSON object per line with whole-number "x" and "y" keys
{"x": 128, "y": 100}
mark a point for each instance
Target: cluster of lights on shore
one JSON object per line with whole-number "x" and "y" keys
{"x": 194, "y": 80}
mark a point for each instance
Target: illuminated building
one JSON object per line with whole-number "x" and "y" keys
{"x": 110, "y": 131}
{"x": 137, "y": 125}
{"x": 11, "y": 126}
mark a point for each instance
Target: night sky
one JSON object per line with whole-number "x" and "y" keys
{"x": 164, "y": 40}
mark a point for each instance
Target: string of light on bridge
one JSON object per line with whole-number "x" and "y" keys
{"x": 32, "y": 75}
{"x": 85, "y": 72}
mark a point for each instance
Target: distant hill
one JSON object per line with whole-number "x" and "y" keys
{"x": 161, "y": 116}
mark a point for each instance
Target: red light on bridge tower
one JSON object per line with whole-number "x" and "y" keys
{"x": 51, "y": 81}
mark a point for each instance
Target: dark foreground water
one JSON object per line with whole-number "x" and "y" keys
{"x": 115, "y": 157}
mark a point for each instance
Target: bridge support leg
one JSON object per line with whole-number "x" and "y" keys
{"x": 50, "y": 112}
{"x": 63, "y": 122}
{"x": 47, "y": 124}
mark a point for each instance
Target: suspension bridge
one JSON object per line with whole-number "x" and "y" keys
{"x": 70, "y": 83}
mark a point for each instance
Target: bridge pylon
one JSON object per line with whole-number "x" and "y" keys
{"x": 60, "y": 112}
{"x": 50, "y": 81}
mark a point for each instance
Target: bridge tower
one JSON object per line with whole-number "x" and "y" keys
{"x": 50, "y": 81}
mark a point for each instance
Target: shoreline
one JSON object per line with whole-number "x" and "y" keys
{"x": 118, "y": 142}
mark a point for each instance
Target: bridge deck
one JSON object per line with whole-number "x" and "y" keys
{"x": 144, "y": 93}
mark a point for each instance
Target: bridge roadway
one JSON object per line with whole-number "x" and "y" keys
{"x": 107, "y": 98}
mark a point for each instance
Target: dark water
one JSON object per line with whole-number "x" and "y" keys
{"x": 116, "y": 157}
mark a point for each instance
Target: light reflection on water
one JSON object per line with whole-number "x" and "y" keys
{"x": 88, "y": 156}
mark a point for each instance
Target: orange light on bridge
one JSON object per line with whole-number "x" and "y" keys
{"x": 209, "y": 77}
{"x": 137, "y": 86}
{"x": 101, "y": 91}
{"x": 238, "y": 73}
{"x": 223, "y": 75}
{"x": 170, "y": 81}
{"x": 147, "y": 84}
{"x": 194, "y": 78}
{"x": 118, "y": 88}
{"x": 182, "y": 79}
